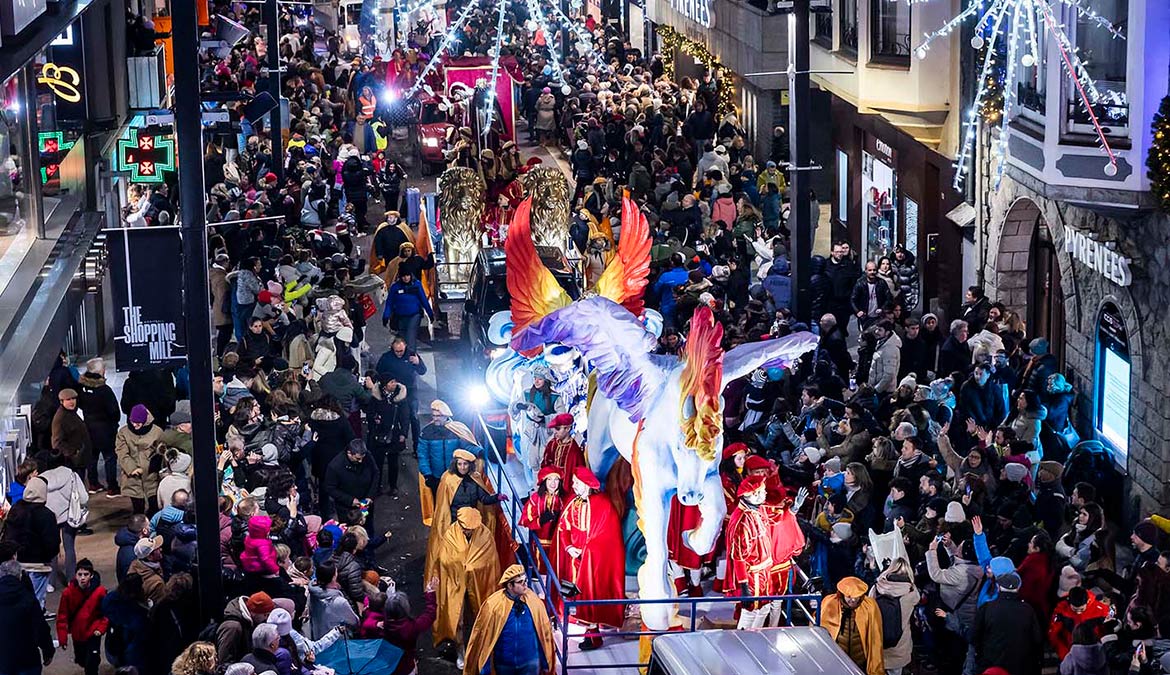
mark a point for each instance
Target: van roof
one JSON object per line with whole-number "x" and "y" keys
{"x": 769, "y": 651}
{"x": 494, "y": 260}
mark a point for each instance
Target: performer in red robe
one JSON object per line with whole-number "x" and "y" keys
{"x": 787, "y": 537}
{"x": 542, "y": 511}
{"x": 562, "y": 451}
{"x": 591, "y": 555}
{"x": 731, "y": 473}
{"x": 749, "y": 551}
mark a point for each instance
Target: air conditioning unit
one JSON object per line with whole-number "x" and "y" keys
{"x": 148, "y": 80}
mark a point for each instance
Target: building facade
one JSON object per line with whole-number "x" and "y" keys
{"x": 1080, "y": 250}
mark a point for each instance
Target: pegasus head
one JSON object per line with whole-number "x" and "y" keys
{"x": 700, "y": 383}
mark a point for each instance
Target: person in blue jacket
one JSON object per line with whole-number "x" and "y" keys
{"x": 405, "y": 303}
{"x": 437, "y": 444}
{"x": 779, "y": 284}
{"x": 664, "y": 288}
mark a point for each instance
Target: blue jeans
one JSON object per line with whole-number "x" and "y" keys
{"x": 40, "y": 582}
{"x": 241, "y": 314}
{"x": 408, "y": 329}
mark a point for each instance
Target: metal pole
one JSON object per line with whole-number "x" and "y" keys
{"x": 800, "y": 218}
{"x": 272, "y": 28}
{"x": 189, "y": 133}
{"x": 32, "y": 179}
{"x": 565, "y": 32}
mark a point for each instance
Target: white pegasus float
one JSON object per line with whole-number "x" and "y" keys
{"x": 664, "y": 414}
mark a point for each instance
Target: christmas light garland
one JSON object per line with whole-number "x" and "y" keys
{"x": 1158, "y": 161}
{"x": 672, "y": 40}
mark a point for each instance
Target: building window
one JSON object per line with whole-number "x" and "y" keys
{"x": 1104, "y": 57}
{"x": 823, "y": 29}
{"x": 847, "y": 24}
{"x": 1033, "y": 83}
{"x": 842, "y": 186}
{"x": 889, "y": 32}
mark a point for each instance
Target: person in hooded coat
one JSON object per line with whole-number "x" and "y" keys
{"x": 135, "y": 446}
{"x": 99, "y": 407}
{"x": 468, "y": 567}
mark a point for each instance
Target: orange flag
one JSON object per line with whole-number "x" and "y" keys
{"x": 424, "y": 249}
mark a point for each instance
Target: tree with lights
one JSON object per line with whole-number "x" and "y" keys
{"x": 1158, "y": 161}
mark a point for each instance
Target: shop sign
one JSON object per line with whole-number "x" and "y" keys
{"x": 698, "y": 11}
{"x": 16, "y": 15}
{"x": 146, "y": 274}
{"x": 54, "y": 147}
{"x": 145, "y": 156}
{"x": 880, "y": 149}
{"x": 1102, "y": 258}
{"x": 64, "y": 81}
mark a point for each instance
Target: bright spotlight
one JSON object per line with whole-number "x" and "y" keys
{"x": 478, "y": 396}
{"x": 389, "y": 96}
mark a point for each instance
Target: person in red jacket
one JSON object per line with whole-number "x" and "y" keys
{"x": 402, "y": 630}
{"x": 80, "y": 615}
{"x": 1080, "y": 606}
{"x": 1037, "y": 573}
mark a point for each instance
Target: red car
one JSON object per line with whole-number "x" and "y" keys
{"x": 433, "y": 126}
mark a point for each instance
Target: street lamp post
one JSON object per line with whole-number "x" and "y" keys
{"x": 799, "y": 214}
{"x": 272, "y": 28}
{"x": 189, "y": 133}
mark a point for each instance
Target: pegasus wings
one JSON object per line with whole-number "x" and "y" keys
{"x": 612, "y": 340}
{"x": 534, "y": 290}
{"x": 746, "y": 358}
{"x": 624, "y": 280}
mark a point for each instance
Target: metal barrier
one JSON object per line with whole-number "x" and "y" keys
{"x": 808, "y": 603}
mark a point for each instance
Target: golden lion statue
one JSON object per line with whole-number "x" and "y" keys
{"x": 550, "y": 194}
{"x": 461, "y": 201}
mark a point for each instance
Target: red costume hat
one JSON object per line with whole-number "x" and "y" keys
{"x": 729, "y": 450}
{"x": 755, "y": 463}
{"x": 586, "y": 476}
{"x": 561, "y": 420}
{"x": 749, "y": 485}
{"x": 549, "y": 471}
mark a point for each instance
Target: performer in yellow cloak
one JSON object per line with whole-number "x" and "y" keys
{"x": 483, "y": 499}
{"x": 468, "y": 571}
{"x": 514, "y": 600}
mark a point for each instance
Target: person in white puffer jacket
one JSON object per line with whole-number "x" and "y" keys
{"x": 68, "y": 499}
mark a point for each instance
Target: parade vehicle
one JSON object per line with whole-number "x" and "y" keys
{"x": 766, "y": 651}
{"x": 434, "y": 125}
{"x": 487, "y": 309}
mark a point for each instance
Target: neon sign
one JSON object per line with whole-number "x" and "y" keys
{"x": 53, "y": 144}
{"x": 63, "y": 80}
{"x": 145, "y": 157}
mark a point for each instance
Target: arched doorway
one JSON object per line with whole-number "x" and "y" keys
{"x": 1028, "y": 273}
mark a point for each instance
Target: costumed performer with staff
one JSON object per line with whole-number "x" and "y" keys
{"x": 542, "y": 512}
{"x": 512, "y": 634}
{"x": 459, "y": 487}
{"x": 468, "y": 567}
{"x": 749, "y": 551}
{"x": 591, "y": 556}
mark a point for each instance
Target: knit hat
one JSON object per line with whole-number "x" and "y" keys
{"x": 955, "y": 513}
{"x": 182, "y": 414}
{"x": 814, "y": 454}
{"x": 561, "y": 420}
{"x": 264, "y": 297}
{"x": 260, "y": 603}
{"x": 852, "y": 587}
{"x": 1015, "y": 471}
{"x": 842, "y": 531}
{"x": 908, "y": 381}
{"x": 282, "y": 620}
{"x": 939, "y": 506}
{"x": 469, "y": 518}
{"x": 582, "y": 145}
{"x": 833, "y": 465}
{"x": 905, "y": 430}
{"x": 240, "y": 668}
{"x": 36, "y": 491}
{"x": 146, "y": 546}
{"x": 181, "y": 463}
{"x": 1147, "y": 532}
{"x": 139, "y": 414}
{"x": 1008, "y": 582}
{"x": 1069, "y": 579}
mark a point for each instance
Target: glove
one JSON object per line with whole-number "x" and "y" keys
{"x": 801, "y": 496}
{"x": 432, "y": 482}
{"x": 547, "y": 517}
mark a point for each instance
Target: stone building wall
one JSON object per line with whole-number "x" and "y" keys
{"x": 1016, "y": 210}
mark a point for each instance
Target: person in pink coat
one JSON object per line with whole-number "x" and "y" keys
{"x": 259, "y": 554}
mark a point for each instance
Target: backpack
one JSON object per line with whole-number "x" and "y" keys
{"x": 891, "y": 610}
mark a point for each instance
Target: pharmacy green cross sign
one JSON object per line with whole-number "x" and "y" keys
{"x": 146, "y": 157}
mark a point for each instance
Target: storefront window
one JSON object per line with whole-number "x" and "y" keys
{"x": 889, "y": 32}
{"x": 847, "y": 24}
{"x": 1105, "y": 60}
{"x": 842, "y": 186}
{"x": 1033, "y": 83}
{"x": 879, "y": 211}
{"x": 1113, "y": 382}
{"x": 823, "y": 29}
{"x": 17, "y": 232}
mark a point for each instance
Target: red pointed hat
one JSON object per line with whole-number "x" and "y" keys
{"x": 561, "y": 420}
{"x": 729, "y": 450}
{"x": 586, "y": 476}
{"x": 550, "y": 471}
{"x": 755, "y": 463}
{"x": 749, "y": 485}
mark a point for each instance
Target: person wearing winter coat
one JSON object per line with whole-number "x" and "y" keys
{"x": 135, "y": 446}
{"x": 240, "y": 617}
{"x": 66, "y": 495}
{"x": 1087, "y": 655}
{"x": 351, "y": 477}
{"x": 437, "y": 445}
{"x": 905, "y": 271}
{"x": 870, "y": 295}
{"x": 328, "y": 606}
{"x": 333, "y": 432}
{"x": 402, "y": 630}
{"x": 127, "y": 612}
{"x": 79, "y": 615}
{"x": 1006, "y": 633}
{"x": 221, "y": 302}
{"x": 958, "y": 583}
{"x": 1078, "y": 608}
{"x": 125, "y": 539}
{"x": 897, "y": 582}
{"x": 883, "y": 369}
{"x": 779, "y": 284}
{"x": 70, "y": 435}
{"x": 406, "y": 302}
{"x": 25, "y": 642}
{"x": 32, "y": 527}
{"x": 102, "y": 416}
{"x": 259, "y": 555}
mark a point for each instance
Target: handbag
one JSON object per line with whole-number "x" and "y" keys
{"x": 77, "y": 514}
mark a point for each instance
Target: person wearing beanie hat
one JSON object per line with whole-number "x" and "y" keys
{"x": 955, "y": 513}
{"x": 1015, "y": 472}
{"x": 512, "y": 632}
{"x": 135, "y": 446}
{"x": 841, "y": 533}
{"x": 590, "y": 555}
{"x": 562, "y": 450}
{"x": 1144, "y": 540}
{"x": 854, "y": 621}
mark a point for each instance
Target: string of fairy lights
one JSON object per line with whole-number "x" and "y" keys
{"x": 444, "y": 46}
{"x": 1014, "y": 27}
